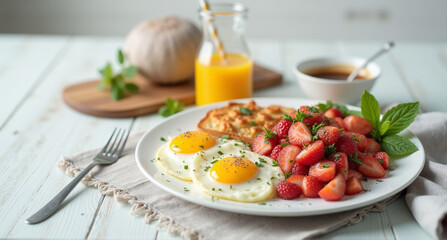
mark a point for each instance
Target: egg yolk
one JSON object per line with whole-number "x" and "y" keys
{"x": 192, "y": 142}
{"x": 233, "y": 170}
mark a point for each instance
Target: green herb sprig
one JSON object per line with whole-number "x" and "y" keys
{"x": 395, "y": 120}
{"x": 172, "y": 107}
{"x": 344, "y": 110}
{"x": 118, "y": 82}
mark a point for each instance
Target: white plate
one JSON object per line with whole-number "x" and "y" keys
{"x": 406, "y": 169}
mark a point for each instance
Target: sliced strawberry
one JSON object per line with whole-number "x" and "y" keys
{"x": 359, "y": 139}
{"x": 323, "y": 170}
{"x": 334, "y": 190}
{"x": 299, "y": 134}
{"x": 333, "y": 113}
{"x": 383, "y": 158}
{"x": 357, "y": 124}
{"x": 275, "y": 152}
{"x": 353, "y": 186}
{"x": 288, "y": 190}
{"x": 311, "y": 187}
{"x": 372, "y": 146}
{"x": 262, "y": 145}
{"x": 299, "y": 169}
{"x": 282, "y": 128}
{"x": 328, "y": 134}
{"x": 286, "y": 157}
{"x": 346, "y": 145}
{"x": 341, "y": 163}
{"x": 297, "y": 179}
{"x": 356, "y": 174}
{"x": 313, "y": 153}
{"x": 316, "y": 117}
{"x": 370, "y": 167}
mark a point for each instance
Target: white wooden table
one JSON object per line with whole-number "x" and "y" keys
{"x": 36, "y": 128}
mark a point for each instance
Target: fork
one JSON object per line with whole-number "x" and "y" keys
{"x": 106, "y": 156}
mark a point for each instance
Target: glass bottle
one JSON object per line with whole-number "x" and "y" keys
{"x": 223, "y": 67}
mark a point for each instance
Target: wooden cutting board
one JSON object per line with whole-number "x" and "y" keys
{"x": 86, "y": 98}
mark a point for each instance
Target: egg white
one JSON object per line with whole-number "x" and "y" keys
{"x": 178, "y": 164}
{"x": 259, "y": 188}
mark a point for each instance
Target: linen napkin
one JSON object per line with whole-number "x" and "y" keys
{"x": 126, "y": 183}
{"x": 427, "y": 195}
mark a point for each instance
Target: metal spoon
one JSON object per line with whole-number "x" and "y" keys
{"x": 381, "y": 51}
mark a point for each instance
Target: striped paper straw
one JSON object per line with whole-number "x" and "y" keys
{"x": 213, "y": 31}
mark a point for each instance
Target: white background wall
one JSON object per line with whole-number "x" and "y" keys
{"x": 286, "y": 19}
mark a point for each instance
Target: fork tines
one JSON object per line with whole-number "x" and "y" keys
{"x": 119, "y": 136}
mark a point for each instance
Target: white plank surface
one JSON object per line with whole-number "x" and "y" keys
{"x": 43, "y": 128}
{"x": 24, "y": 62}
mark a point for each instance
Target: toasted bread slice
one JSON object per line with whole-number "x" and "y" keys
{"x": 242, "y": 121}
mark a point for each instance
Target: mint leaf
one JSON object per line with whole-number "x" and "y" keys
{"x": 120, "y": 57}
{"x": 117, "y": 93}
{"x": 396, "y": 145}
{"x": 130, "y": 71}
{"x": 370, "y": 108}
{"x": 384, "y": 126}
{"x": 131, "y": 87}
{"x": 172, "y": 107}
{"x": 400, "y": 117}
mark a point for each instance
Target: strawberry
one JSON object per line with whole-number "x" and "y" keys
{"x": 353, "y": 186}
{"x": 275, "y": 151}
{"x": 354, "y": 173}
{"x": 334, "y": 190}
{"x": 346, "y": 145}
{"x": 383, "y": 158}
{"x": 311, "y": 187}
{"x": 312, "y": 153}
{"x": 264, "y": 144}
{"x": 315, "y": 116}
{"x": 337, "y": 122}
{"x": 286, "y": 157}
{"x": 357, "y": 124}
{"x": 328, "y": 134}
{"x": 297, "y": 179}
{"x": 323, "y": 170}
{"x": 282, "y": 128}
{"x": 359, "y": 138}
{"x": 372, "y": 146}
{"x": 288, "y": 190}
{"x": 299, "y": 134}
{"x": 370, "y": 167}
{"x": 333, "y": 113}
{"x": 341, "y": 163}
{"x": 299, "y": 169}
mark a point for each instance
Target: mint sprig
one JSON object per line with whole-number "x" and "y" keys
{"x": 394, "y": 121}
{"x": 172, "y": 107}
{"x": 118, "y": 82}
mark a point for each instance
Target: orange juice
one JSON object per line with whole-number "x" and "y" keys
{"x": 218, "y": 80}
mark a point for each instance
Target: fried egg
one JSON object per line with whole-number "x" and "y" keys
{"x": 234, "y": 174}
{"x": 174, "y": 157}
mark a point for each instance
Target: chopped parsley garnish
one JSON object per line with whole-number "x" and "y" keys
{"x": 206, "y": 168}
{"x": 201, "y": 146}
{"x": 287, "y": 175}
{"x": 220, "y": 153}
{"x": 163, "y": 139}
{"x": 275, "y": 164}
{"x": 253, "y": 123}
{"x": 365, "y": 179}
{"x": 262, "y": 203}
{"x": 185, "y": 189}
{"x": 225, "y": 137}
{"x": 185, "y": 167}
{"x": 245, "y": 111}
{"x": 213, "y": 162}
{"x": 378, "y": 180}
